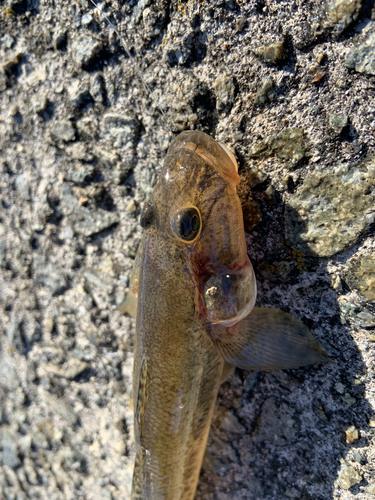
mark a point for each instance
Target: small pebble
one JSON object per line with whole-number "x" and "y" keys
{"x": 8, "y": 41}
{"x": 349, "y": 399}
{"x": 362, "y": 59}
{"x": 85, "y": 49}
{"x": 38, "y": 103}
{"x": 86, "y": 19}
{"x": 352, "y": 434}
{"x": 131, "y": 206}
{"x": 338, "y": 122}
{"x": 266, "y": 93}
{"x": 340, "y": 388}
{"x": 224, "y": 90}
{"x": 63, "y": 130}
{"x": 348, "y": 476}
{"x": 271, "y": 54}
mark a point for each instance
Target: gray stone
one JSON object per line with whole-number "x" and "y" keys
{"x": 48, "y": 274}
{"x": 338, "y": 122}
{"x": 362, "y": 59}
{"x": 366, "y": 319}
{"x": 361, "y": 276}
{"x": 354, "y": 311}
{"x": 3, "y": 80}
{"x": 10, "y": 65}
{"x": 348, "y": 476}
{"x": 8, "y": 376}
{"x": 79, "y": 173}
{"x": 72, "y": 460}
{"x": 265, "y": 94}
{"x": 131, "y": 207}
{"x": 39, "y": 103}
{"x": 86, "y": 19}
{"x": 277, "y": 420}
{"x": 358, "y": 457}
{"x": 10, "y": 451}
{"x": 8, "y": 41}
{"x": 273, "y": 53}
{"x": 331, "y": 209}
{"x": 24, "y": 444}
{"x": 288, "y": 145}
{"x": 85, "y": 49}
{"x": 68, "y": 202}
{"x": 254, "y": 176}
{"x": 79, "y": 95}
{"x": 62, "y": 408}
{"x": 97, "y": 88}
{"x": 63, "y": 130}
{"x": 98, "y": 281}
{"x": 71, "y": 369}
{"x": 78, "y": 151}
{"x": 107, "y": 158}
{"x": 315, "y": 478}
{"x": 15, "y": 333}
{"x": 22, "y": 185}
{"x": 84, "y": 220}
{"x": 230, "y": 423}
{"x": 138, "y": 10}
{"x": 124, "y": 129}
{"x": 251, "y": 381}
{"x": 224, "y": 91}
{"x": 341, "y": 13}
{"x": 92, "y": 222}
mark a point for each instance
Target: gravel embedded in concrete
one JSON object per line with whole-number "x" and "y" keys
{"x": 81, "y": 145}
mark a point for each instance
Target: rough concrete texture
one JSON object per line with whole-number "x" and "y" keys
{"x": 81, "y": 145}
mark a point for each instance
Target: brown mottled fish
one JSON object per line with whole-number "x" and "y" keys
{"x": 196, "y": 293}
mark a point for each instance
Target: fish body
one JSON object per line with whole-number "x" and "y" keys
{"x": 196, "y": 290}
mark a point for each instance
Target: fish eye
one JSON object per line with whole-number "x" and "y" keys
{"x": 187, "y": 224}
{"x": 148, "y": 216}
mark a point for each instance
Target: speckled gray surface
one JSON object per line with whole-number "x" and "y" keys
{"x": 290, "y": 87}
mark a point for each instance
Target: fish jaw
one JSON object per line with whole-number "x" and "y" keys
{"x": 176, "y": 376}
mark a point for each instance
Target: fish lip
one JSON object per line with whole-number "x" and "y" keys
{"x": 230, "y": 154}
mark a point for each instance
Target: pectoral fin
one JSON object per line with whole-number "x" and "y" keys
{"x": 269, "y": 339}
{"x": 134, "y": 277}
{"x": 129, "y": 305}
{"x": 228, "y": 369}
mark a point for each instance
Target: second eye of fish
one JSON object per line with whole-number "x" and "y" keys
{"x": 187, "y": 224}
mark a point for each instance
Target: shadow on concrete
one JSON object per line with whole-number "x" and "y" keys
{"x": 287, "y": 438}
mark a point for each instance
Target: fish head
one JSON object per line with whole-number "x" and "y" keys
{"x": 194, "y": 215}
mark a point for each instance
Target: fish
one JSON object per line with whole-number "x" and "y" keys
{"x": 194, "y": 293}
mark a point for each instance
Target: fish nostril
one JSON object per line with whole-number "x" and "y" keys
{"x": 148, "y": 216}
